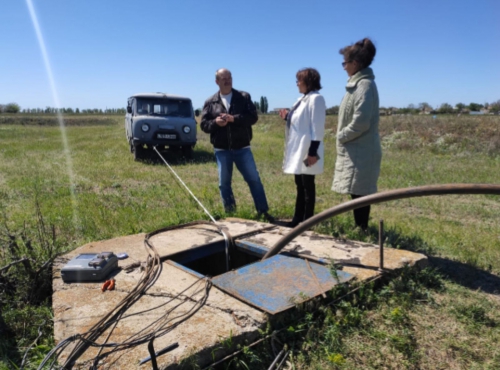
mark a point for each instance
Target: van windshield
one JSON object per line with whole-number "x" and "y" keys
{"x": 164, "y": 107}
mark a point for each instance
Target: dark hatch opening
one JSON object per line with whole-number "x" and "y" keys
{"x": 210, "y": 259}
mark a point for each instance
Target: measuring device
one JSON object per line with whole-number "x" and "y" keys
{"x": 89, "y": 267}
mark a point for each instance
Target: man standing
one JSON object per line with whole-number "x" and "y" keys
{"x": 228, "y": 116}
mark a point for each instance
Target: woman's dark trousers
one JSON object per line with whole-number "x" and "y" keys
{"x": 361, "y": 215}
{"x": 306, "y": 198}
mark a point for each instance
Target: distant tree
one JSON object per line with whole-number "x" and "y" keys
{"x": 445, "y": 108}
{"x": 257, "y": 105}
{"x": 77, "y": 111}
{"x": 263, "y": 104}
{"x": 460, "y": 106}
{"x": 424, "y": 106}
{"x": 12, "y": 108}
{"x": 2, "y": 107}
{"x": 475, "y": 107}
{"x": 495, "y": 106}
{"x": 412, "y": 109}
{"x": 333, "y": 110}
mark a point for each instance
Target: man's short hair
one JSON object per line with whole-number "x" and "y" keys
{"x": 220, "y": 70}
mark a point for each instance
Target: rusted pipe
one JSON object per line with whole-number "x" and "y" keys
{"x": 419, "y": 191}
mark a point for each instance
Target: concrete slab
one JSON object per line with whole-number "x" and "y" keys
{"x": 204, "y": 333}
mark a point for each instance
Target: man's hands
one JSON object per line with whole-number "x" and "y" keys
{"x": 220, "y": 121}
{"x": 224, "y": 119}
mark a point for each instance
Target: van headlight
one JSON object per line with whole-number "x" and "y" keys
{"x": 145, "y": 127}
{"x": 186, "y": 129}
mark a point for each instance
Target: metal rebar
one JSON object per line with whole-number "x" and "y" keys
{"x": 381, "y": 243}
{"x": 152, "y": 354}
{"x": 419, "y": 191}
{"x": 276, "y": 359}
{"x": 160, "y": 352}
{"x": 283, "y": 360}
{"x": 226, "y": 248}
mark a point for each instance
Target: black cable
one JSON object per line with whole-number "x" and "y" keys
{"x": 157, "y": 328}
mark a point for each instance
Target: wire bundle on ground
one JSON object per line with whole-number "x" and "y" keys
{"x": 161, "y": 326}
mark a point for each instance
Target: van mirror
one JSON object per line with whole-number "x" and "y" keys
{"x": 129, "y": 109}
{"x": 196, "y": 112}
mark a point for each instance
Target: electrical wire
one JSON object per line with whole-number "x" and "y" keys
{"x": 182, "y": 182}
{"x": 163, "y": 325}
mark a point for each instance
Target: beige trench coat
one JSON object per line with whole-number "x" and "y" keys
{"x": 358, "y": 143}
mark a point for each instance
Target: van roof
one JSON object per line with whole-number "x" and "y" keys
{"x": 159, "y": 95}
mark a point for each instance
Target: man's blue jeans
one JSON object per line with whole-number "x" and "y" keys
{"x": 243, "y": 159}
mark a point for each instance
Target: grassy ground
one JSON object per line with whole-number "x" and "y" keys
{"x": 446, "y": 318}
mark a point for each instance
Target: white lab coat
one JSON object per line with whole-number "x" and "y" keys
{"x": 306, "y": 124}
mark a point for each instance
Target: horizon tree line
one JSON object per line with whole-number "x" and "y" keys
{"x": 15, "y": 108}
{"x": 263, "y": 107}
{"x": 442, "y": 109}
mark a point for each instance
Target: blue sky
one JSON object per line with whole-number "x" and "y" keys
{"x": 103, "y": 51}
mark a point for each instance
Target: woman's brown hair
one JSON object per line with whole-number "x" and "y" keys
{"x": 311, "y": 78}
{"x": 362, "y": 52}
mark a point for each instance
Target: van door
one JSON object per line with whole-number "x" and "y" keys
{"x": 128, "y": 117}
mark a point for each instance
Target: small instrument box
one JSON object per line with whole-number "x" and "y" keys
{"x": 89, "y": 267}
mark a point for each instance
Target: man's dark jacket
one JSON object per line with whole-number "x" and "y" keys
{"x": 237, "y": 134}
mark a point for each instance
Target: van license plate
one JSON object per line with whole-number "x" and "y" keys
{"x": 167, "y": 136}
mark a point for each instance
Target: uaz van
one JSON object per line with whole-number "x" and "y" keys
{"x": 161, "y": 120}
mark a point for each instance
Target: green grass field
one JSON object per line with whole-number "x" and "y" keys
{"x": 444, "y": 318}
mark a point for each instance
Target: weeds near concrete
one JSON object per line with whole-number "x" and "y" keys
{"x": 25, "y": 290}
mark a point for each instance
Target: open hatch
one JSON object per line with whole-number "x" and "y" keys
{"x": 272, "y": 285}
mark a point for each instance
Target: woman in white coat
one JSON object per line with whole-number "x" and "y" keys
{"x": 358, "y": 143}
{"x": 305, "y": 127}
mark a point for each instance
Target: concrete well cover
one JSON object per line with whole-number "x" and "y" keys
{"x": 79, "y": 306}
{"x": 278, "y": 283}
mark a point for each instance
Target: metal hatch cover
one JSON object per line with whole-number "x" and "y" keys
{"x": 279, "y": 282}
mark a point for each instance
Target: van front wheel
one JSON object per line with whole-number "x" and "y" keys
{"x": 138, "y": 152}
{"x": 187, "y": 151}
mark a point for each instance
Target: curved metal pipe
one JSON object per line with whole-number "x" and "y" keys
{"x": 418, "y": 191}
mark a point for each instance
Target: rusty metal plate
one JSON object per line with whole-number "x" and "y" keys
{"x": 279, "y": 282}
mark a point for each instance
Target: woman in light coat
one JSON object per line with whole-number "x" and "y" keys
{"x": 305, "y": 127}
{"x": 359, "y": 152}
